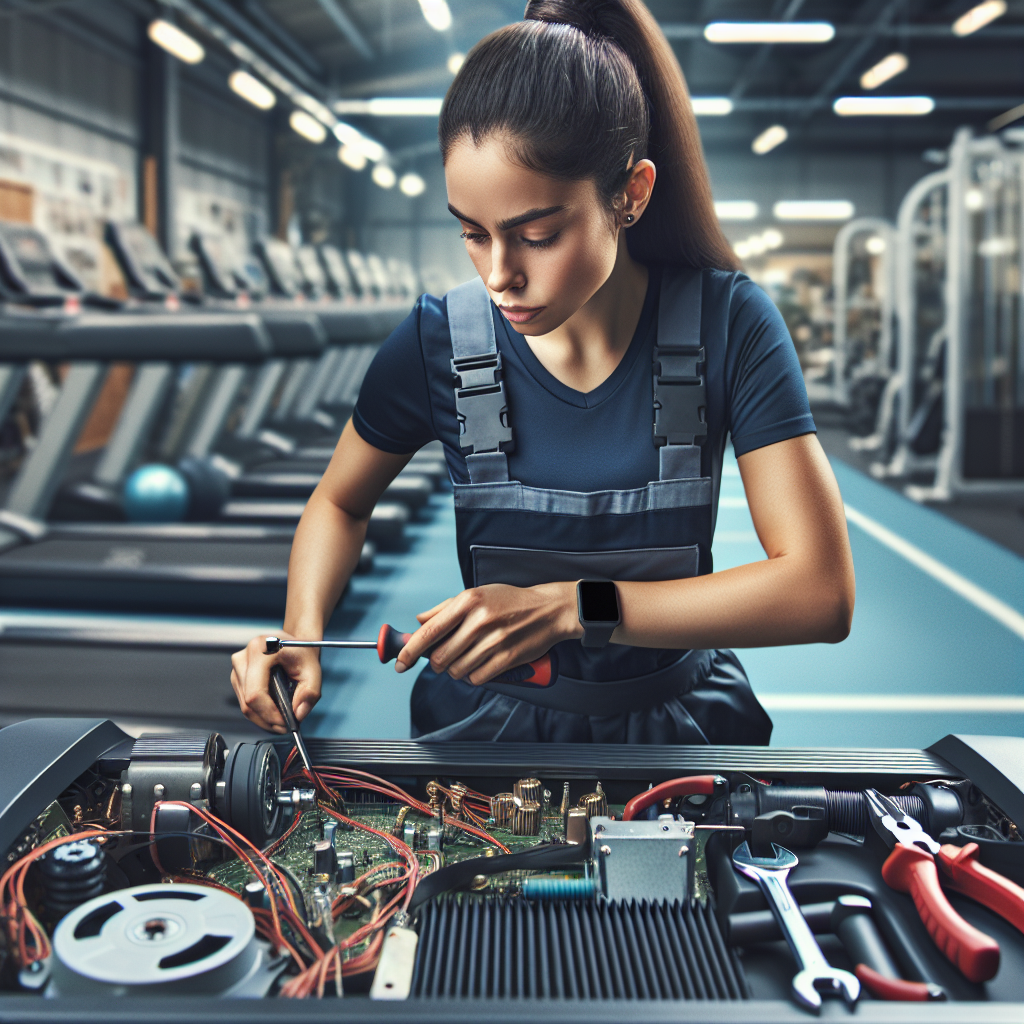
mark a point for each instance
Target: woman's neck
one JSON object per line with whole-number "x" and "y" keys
{"x": 584, "y": 351}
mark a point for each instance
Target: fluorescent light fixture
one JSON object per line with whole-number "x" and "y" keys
{"x": 455, "y": 62}
{"x": 251, "y": 89}
{"x": 391, "y": 106}
{"x": 773, "y": 238}
{"x": 437, "y": 14}
{"x": 998, "y": 246}
{"x": 411, "y": 184}
{"x": 769, "y": 139}
{"x": 979, "y": 17}
{"x": 875, "y": 245}
{"x": 883, "y": 106}
{"x": 813, "y": 209}
{"x": 349, "y": 136}
{"x": 384, "y": 175}
{"x": 736, "y": 209}
{"x": 177, "y": 43}
{"x": 768, "y": 31}
{"x": 307, "y": 126}
{"x": 888, "y": 67}
{"x": 711, "y": 106}
{"x": 351, "y": 156}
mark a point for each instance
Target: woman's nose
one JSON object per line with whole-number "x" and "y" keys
{"x": 504, "y": 275}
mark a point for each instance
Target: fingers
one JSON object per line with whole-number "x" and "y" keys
{"x": 250, "y": 679}
{"x": 431, "y": 612}
{"x": 440, "y": 624}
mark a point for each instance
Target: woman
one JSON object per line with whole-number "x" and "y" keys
{"x": 607, "y": 299}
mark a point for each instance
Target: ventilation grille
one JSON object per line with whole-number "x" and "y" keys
{"x": 177, "y": 747}
{"x": 572, "y": 949}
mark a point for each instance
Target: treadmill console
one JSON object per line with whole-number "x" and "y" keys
{"x": 31, "y": 273}
{"x": 281, "y": 268}
{"x": 362, "y": 275}
{"x": 146, "y": 269}
{"x": 458, "y": 877}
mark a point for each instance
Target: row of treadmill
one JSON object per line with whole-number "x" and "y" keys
{"x": 241, "y": 390}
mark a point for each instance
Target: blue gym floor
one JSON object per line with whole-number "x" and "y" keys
{"x": 937, "y": 644}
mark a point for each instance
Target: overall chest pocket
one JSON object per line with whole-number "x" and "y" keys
{"x": 529, "y": 567}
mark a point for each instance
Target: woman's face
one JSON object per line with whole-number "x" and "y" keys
{"x": 542, "y": 246}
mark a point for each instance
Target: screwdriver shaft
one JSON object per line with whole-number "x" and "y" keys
{"x": 358, "y": 644}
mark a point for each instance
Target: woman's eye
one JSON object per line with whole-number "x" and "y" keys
{"x": 475, "y": 237}
{"x": 541, "y": 243}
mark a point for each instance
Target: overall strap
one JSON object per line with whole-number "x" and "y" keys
{"x": 680, "y": 395}
{"x": 480, "y": 400}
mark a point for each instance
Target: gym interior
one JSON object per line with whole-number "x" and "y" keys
{"x": 214, "y": 212}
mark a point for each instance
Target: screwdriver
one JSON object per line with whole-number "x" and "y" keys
{"x": 281, "y": 690}
{"x": 540, "y": 673}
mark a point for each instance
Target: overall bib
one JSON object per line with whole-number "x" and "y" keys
{"x": 508, "y": 532}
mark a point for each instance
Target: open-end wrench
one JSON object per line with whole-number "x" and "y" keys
{"x": 816, "y": 975}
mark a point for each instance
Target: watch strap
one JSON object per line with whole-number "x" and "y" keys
{"x": 597, "y": 636}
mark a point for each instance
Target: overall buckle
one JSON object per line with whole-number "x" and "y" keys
{"x": 680, "y": 396}
{"x": 481, "y": 404}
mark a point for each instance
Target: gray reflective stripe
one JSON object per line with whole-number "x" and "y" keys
{"x": 529, "y": 567}
{"x": 470, "y": 321}
{"x": 679, "y": 308}
{"x": 513, "y": 496}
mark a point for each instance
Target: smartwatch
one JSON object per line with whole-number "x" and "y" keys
{"x": 597, "y": 602}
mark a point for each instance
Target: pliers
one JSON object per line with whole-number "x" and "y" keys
{"x": 913, "y": 867}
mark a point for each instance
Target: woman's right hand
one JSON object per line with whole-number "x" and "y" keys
{"x": 250, "y": 679}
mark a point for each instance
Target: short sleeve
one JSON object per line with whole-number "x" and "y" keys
{"x": 393, "y": 410}
{"x": 767, "y": 397}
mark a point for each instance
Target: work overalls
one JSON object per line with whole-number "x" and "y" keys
{"x": 508, "y": 532}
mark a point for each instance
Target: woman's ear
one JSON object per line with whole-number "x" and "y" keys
{"x": 638, "y": 191}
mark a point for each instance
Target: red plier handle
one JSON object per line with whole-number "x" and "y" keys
{"x": 911, "y": 870}
{"x": 965, "y": 874}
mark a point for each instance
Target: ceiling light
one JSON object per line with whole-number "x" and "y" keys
{"x": 979, "y": 17}
{"x": 711, "y": 106}
{"x": 773, "y": 238}
{"x": 455, "y": 62}
{"x": 883, "y": 106}
{"x": 411, "y": 184}
{"x": 349, "y": 136}
{"x": 888, "y": 67}
{"x": 177, "y": 43}
{"x": 437, "y": 14}
{"x": 768, "y": 31}
{"x": 391, "y": 106}
{"x": 974, "y": 199}
{"x": 742, "y": 249}
{"x": 307, "y": 126}
{"x": 769, "y": 139}
{"x": 736, "y": 209}
{"x": 814, "y": 209}
{"x": 875, "y": 245}
{"x": 351, "y": 156}
{"x": 384, "y": 175}
{"x": 251, "y": 89}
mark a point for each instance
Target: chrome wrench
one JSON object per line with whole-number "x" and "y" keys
{"x": 816, "y": 976}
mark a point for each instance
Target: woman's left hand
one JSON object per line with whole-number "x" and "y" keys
{"x": 492, "y": 629}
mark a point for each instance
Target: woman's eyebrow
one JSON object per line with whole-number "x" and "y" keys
{"x": 512, "y": 222}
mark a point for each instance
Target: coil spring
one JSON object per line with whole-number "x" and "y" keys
{"x": 846, "y": 810}
{"x": 558, "y": 888}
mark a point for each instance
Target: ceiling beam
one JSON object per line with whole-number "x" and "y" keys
{"x": 270, "y": 24}
{"x": 348, "y": 27}
{"x": 758, "y": 61}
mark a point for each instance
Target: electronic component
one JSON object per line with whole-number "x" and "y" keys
{"x": 594, "y": 804}
{"x": 299, "y": 799}
{"x": 502, "y": 806}
{"x": 644, "y": 860}
{"x": 526, "y": 818}
{"x": 527, "y": 789}
{"x": 577, "y": 827}
{"x": 161, "y": 940}
{"x": 72, "y": 874}
{"x": 346, "y": 867}
{"x": 324, "y": 858}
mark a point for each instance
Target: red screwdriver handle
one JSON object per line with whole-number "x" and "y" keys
{"x": 966, "y": 874}
{"x": 911, "y": 870}
{"x": 543, "y": 672}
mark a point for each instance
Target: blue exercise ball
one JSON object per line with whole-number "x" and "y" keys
{"x": 155, "y": 494}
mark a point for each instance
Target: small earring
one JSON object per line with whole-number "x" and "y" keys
{"x": 630, "y": 218}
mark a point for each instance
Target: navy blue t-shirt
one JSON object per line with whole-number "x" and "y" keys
{"x": 601, "y": 440}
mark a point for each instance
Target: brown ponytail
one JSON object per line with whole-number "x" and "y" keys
{"x": 582, "y": 87}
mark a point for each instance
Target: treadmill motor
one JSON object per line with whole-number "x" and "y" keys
{"x": 179, "y": 865}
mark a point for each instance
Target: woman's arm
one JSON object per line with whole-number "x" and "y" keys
{"x": 803, "y": 592}
{"x": 324, "y": 555}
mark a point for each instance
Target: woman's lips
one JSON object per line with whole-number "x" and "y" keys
{"x": 520, "y": 314}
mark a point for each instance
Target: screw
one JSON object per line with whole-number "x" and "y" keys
{"x": 683, "y": 851}
{"x": 606, "y": 851}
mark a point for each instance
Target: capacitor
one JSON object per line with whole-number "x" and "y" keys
{"x": 346, "y": 870}
{"x": 255, "y": 894}
{"x": 502, "y": 806}
{"x": 526, "y": 818}
{"x": 324, "y": 858}
{"x": 330, "y": 828}
{"x": 576, "y": 826}
{"x": 527, "y": 789}
{"x": 72, "y": 874}
{"x": 595, "y": 804}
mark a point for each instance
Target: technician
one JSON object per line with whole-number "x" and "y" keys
{"x": 583, "y": 388}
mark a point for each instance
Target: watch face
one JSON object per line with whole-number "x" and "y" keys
{"x": 599, "y": 602}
